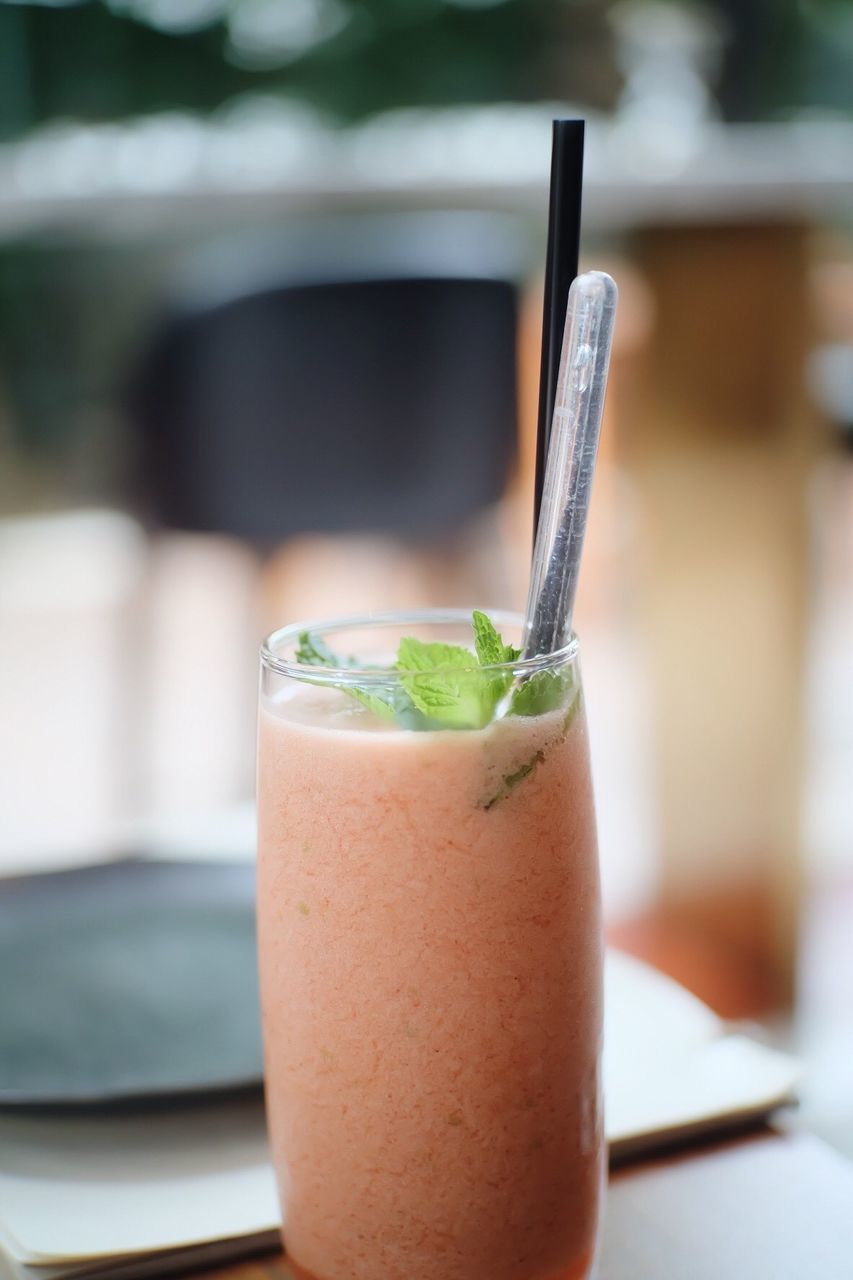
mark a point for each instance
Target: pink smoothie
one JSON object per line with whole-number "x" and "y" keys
{"x": 431, "y": 988}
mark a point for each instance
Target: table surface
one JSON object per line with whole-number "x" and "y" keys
{"x": 767, "y": 1206}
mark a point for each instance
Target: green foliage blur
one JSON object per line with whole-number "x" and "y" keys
{"x": 101, "y": 60}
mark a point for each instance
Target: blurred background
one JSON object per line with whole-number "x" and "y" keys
{"x": 270, "y": 302}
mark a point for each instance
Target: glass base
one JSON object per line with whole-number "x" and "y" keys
{"x": 298, "y": 1272}
{"x": 581, "y": 1269}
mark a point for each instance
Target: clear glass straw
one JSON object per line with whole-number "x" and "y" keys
{"x": 584, "y": 362}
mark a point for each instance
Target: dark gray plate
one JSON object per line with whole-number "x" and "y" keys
{"x": 131, "y": 981}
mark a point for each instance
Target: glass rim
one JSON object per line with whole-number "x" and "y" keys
{"x": 273, "y": 661}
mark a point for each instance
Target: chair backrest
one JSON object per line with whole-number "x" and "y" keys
{"x": 382, "y": 404}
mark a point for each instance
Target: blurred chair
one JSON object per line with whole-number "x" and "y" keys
{"x": 311, "y": 392}
{"x": 337, "y": 405}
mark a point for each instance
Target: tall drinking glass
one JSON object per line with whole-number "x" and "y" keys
{"x": 431, "y": 970}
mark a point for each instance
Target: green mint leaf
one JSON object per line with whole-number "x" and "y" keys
{"x": 380, "y": 701}
{"x": 312, "y": 651}
{"x": 416, "y": 655}
{"x": 445, "y": 684}
{"x": 488, "y": 643}
{"x": 544, "y": 691}
{"x": 491, "y": 650}
{"x": 511, "y": 780}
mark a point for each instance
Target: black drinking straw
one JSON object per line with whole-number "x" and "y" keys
{"x": 561, "y": 267}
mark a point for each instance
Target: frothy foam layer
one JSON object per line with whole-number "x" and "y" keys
{"x": 325, "y": 707}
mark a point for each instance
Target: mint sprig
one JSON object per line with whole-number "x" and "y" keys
{"x": 444, "y": 686}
